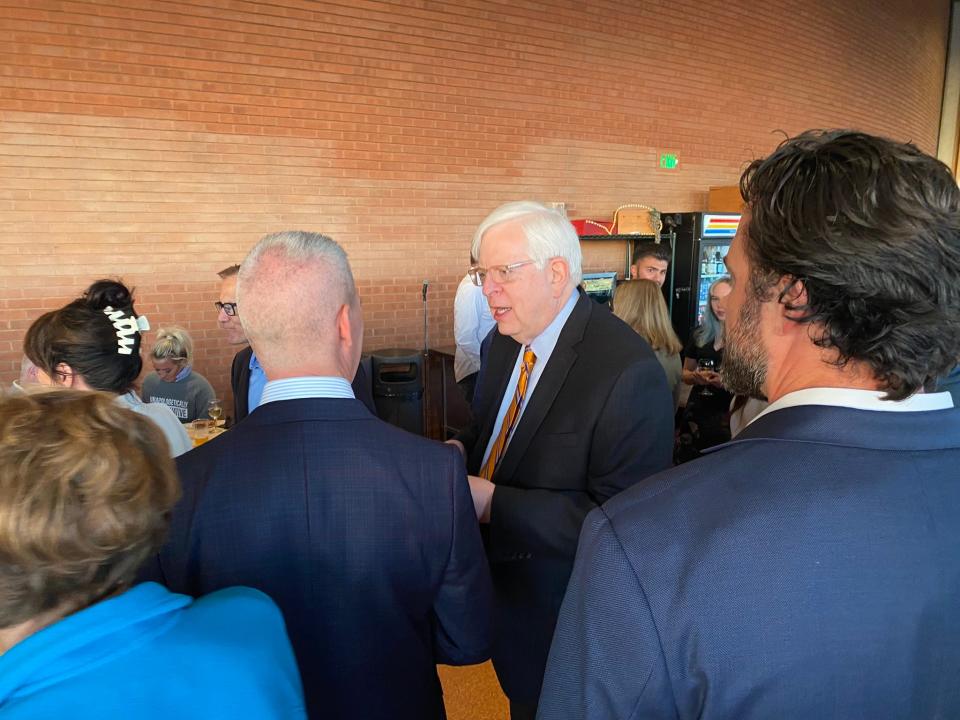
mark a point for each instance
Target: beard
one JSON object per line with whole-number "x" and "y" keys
{"x": 744, "y": 368}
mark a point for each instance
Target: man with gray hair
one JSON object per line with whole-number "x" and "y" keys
{"x": 362, "y": 533}
{"x": 572, "y": 408}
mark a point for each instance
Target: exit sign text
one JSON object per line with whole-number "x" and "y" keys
{"x": 669, "y": 161}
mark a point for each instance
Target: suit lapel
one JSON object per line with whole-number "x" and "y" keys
{"x": 548, "y": 387}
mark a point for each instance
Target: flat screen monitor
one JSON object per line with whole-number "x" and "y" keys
{"x": 600, "y": 286}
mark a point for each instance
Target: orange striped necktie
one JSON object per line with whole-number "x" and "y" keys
{"x": 510, "y": 419}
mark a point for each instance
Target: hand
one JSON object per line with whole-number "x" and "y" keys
{"x": 459, "y": 445}
{"x": 713, "y": 378}
{"x": 482, "y": 491}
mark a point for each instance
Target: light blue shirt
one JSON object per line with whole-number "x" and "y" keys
{"x": 306, "y": 387}
{"x": 543, "y": 346}
{"x": 258, "y": 379}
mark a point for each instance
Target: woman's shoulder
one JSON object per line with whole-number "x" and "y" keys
{"x": 155, "y": 411}
{"x": 164, "y": 418}
{"x": 238, "y": 613}
{"x": 199, "y": 380}
{"x": 239, "y": 599}
{"x": 668, "y": 359}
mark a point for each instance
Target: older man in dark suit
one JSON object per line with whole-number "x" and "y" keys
{"x": 572, "y": 408}
{"x": 810, "y": 568}
{"x": 363, "y": 534}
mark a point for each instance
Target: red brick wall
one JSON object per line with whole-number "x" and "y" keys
{"x": 158, "y": 140}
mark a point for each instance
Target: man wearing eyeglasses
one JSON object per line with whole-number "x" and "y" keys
{"x": 247, "y": 378}
{"x": 572, "y": 408}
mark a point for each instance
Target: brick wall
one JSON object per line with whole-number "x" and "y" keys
{"x": 157, "y": 140}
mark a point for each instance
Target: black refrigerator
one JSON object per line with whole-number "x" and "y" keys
{"x": 701, "y": 242}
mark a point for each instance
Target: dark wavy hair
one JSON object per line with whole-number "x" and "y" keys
{"x": 871, "y": 229}
{"x": 660, "y": 251}
{"x": 82, "y": 336}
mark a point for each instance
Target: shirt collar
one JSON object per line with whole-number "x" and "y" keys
{"x": 254, "y": 363}
{"x": 859, "y": 400}
{"x": 545, "y": 342}
{"x": 306, "y": 387}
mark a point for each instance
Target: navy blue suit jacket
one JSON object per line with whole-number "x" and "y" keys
{"x": 363, "y": 534}
{"x": 600, "y": 419}
{"x": 808, "y": 569}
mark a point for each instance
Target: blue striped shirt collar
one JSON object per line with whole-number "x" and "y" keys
{"x": 297, "y": 388}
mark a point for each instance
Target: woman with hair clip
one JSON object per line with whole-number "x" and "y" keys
{"x": 93, "y": 343}
{"x": 705, "y": 421}
{"x": 640, "y": 304}
{"x": 175, "y": 384}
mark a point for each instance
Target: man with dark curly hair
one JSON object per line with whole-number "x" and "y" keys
{"x": 811, "y": 568}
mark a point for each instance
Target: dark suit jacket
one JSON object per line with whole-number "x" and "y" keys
{"x": 240, "y": 384}
{"x": 600, "y": 419}
{"x": 363, "y": 534}
{"x": 808, "y": 569}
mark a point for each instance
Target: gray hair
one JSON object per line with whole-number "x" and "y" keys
{"x": 548, "y": 232}
{"x": 290, "y": 287}
{"x": 173, "y": 343}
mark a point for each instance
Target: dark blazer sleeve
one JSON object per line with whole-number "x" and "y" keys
{"x": 240, "y": 383}
{"x": 633, "y": 439}
{"x": 606, "y": 660}
{"x": 463, "y": 604}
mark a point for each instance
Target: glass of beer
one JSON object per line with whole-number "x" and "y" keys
{"x": 200, "y": 431}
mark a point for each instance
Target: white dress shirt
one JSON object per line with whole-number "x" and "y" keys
{"x": 297, "y": 388}
{"x": 471, "y": 323}
{"x": 859, "y": 400}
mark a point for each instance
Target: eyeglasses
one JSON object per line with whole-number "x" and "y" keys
{"x": 229, "y": 308}
{"x": 500, "y": 274}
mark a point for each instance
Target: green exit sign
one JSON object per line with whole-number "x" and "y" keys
{"x": 669, "y": 161}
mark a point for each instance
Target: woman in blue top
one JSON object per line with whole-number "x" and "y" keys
{"x": 86, "y": 487}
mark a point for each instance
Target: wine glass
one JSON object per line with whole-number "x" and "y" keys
{"x": 709, "y": 365}
{"x": 215, "y": 411}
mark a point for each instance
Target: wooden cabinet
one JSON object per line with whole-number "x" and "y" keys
{"x": 725, "y": 198}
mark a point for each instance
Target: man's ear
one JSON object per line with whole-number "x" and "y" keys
{"x": 559, "y": 274}
{"x": 345, "y": 325}
{"x": 792, "y": 292}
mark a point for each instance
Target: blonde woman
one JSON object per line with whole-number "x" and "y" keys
{"x": 706, "y": 420}
{"x": 175, "y": 384}
{"x": 640, "y": 305}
